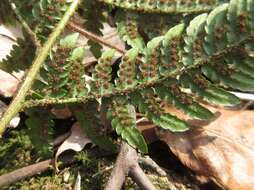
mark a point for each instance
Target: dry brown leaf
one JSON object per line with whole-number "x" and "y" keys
{"x": 8, "y": 84}
{"x": 8, "y": 37}
{"x": 222, "y": 150}
{"x": 76, "y": 141}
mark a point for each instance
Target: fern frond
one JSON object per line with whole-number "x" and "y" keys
{"x": 201, "y": 56}
{"x": 165, "y": 6}
{"x": 62, "y": 74}
{"x": 42, "y": 15}
{"x": 164, "y": 53}
{"x": 149, "y": 66}
{"x": 180, "y": 56}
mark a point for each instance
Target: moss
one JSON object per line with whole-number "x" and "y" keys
{"x": 15, "y": 151}
{"x": 51, "y": 182}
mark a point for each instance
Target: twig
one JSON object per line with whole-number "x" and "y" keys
{"x": 94, "y": 37}
{"x": 30, "y": 32}
{"x": 18, "y": 102}
{"x": 9, "y": 37}
{"x": 127, "y": 164}
{"x": 146, "y": 160}
{"x": 34, "y": 169}
{"x": 137, "y": 174}
{"x": 24, "y": 172}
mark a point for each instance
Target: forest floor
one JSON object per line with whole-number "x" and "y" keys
{"x": 16, "y": 151}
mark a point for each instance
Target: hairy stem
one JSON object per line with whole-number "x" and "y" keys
{"x": 18, "y": 101}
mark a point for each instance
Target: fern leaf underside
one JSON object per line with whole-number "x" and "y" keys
{"x": 212, "y": 52}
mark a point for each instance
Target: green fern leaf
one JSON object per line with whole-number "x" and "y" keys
{"x": 199, "y": 55}
{"x": 208, "y": 37}
{"x": 102, "y": 73}
{"x": 69, "y": 41}
{"x": 123, "y": 120}
{"x": 62, "y": 75}
{"x": 127, "y": 27}
{"x": 128, "y": 70}
{"x": 148, "y": 105}
{"x": 215, "y": 30}
{"x": 170, "y": 50}
{"x": 194, "y": 36}
{"x": 149, "y": 67}
{"x": 40, "y": 129}
{"x": 172, "y": 94}
{"x": 237, "y": 80}
{"x": 43, "y": 15}
{"x": 207, "y": 91}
